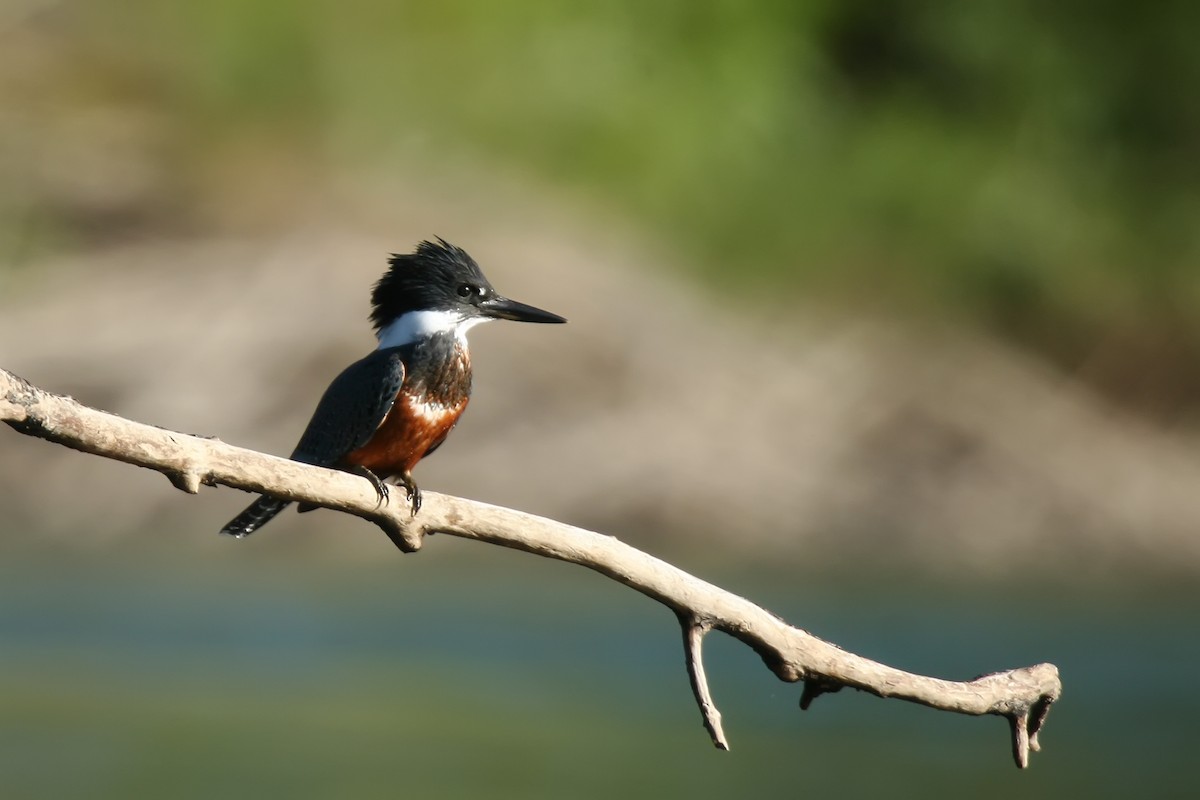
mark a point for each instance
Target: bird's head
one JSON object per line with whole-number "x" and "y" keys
{"x": 439, "y": 288}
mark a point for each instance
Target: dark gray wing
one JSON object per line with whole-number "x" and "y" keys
{"x": 352, "y": 408}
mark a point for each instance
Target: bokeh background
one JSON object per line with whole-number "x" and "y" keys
{"x": 883, "y": 315}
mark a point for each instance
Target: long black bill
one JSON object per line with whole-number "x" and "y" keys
{"x": 503, "y": 308}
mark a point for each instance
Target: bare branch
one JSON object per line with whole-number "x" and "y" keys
{"x": 1023, "y": 696}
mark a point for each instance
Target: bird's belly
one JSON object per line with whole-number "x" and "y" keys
{"x": 410, "y": 430}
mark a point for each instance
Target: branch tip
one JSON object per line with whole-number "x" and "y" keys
{"x": 1019, "y": 724}
{"x": 694, "y": 631}
{"x": 1037, "y": 718}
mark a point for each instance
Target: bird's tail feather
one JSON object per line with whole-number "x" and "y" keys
{"x": 257, "y": 514}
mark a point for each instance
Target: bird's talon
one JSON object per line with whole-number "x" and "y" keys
{"x": 412, "y": 492}
{"x": 381, "y": 489}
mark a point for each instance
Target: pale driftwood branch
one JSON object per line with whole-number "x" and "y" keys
{"x": 1023, "y": 696}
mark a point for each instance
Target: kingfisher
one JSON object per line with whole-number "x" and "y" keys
{"x": 387, "y": 411}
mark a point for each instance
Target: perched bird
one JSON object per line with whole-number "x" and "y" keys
{"x": 387, "y": 411}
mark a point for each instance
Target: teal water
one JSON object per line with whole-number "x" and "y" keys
{"x": 244, "y": 674}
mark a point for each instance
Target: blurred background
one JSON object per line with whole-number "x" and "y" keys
{"x": 882, "y": 315}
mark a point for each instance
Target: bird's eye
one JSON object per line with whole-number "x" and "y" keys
{"x": 466, "y": 290}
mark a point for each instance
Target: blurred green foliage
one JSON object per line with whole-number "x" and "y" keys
{"x": 1034, "y": 167}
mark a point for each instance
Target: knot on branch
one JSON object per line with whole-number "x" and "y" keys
{"x": 186, "y": 480}
{"x": 408, "y": 537}
{"x": 814, "y": 688}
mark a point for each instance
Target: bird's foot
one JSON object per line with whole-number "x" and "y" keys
{"x": 414, "y": 493}
{"x": 380, "y": 487}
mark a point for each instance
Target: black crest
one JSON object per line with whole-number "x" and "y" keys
{"x": 428, "y": 278}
